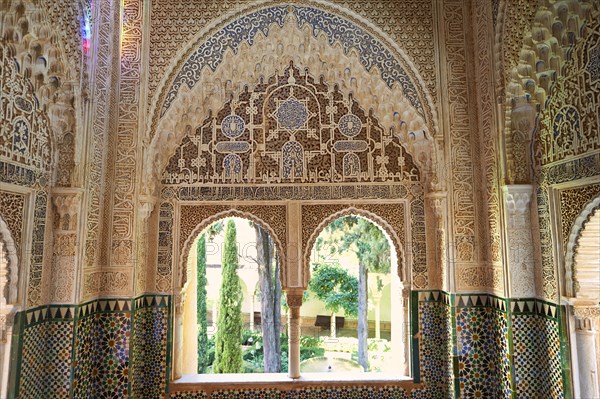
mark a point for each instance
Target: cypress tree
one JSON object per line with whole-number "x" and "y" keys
{"x": 228, "y": 350}
{"x": 201, "y": 301}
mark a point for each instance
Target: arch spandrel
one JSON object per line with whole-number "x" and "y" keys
{"x": 271, "y": 50}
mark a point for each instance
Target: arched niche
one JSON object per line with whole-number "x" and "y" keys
{"x": 585, "y": 236}
{"x": 390, "y": 219}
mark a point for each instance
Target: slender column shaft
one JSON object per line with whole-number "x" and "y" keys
{"x": 294, "y": 342}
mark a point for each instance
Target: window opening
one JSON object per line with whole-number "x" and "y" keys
{"x": 347, "y": 312}
{"x": 234, "y": 325}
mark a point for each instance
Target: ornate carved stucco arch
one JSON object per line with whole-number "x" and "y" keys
{"x": 189, "y": 240}
{"x": 579, "y": 226}
{"x": 378, "y": 221}
{"x": 9, "y": 273}
{"x": 386, "y": 82}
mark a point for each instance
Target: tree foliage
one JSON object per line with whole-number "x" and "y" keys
{"x": 228, "y": 351}
{"x": 201, "y": 302}
{"x": 337, "y": 288}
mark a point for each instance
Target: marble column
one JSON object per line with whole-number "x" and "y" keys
{"x": 294, "y": 301}
{"x": 586, "y": 320}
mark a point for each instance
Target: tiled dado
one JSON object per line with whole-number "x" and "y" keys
{"x": 464, "y": 346}
{"x": 101, "y": 349}
{"x": 483, "y": 346}
{"x": 482, "y": 359}
{"x": 43, "y": 346}
{"x": 540, "y": 352}
{"x": 342, "y": 392}
{"x": 431, "y": 342}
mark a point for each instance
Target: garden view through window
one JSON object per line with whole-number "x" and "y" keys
{"x": 235, "y": 311}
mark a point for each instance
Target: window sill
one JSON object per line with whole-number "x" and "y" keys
{"x": 213, "y": 382}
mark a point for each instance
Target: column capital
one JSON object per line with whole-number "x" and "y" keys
{"x": 294, "y": 297}
{"x": 587, "y": 311}
{"x": 517, "y": 197}
{"x": 67, "y": 202}
{"x": 146, "y": 206}
{"x": 586, "y": 317}
{"x": 437, "y": 200}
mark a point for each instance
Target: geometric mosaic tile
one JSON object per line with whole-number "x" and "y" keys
{"x": 47, "y": 341}
{"x": 434, "y": 345}
{"x": 33, "y": 363}
{"x": 120, "y": 350}
{"x": 476, "y": 354}
{"x": 537, "y": 349}
{"x": 482, "y": 347}
{"x": 339, "y": 392}
{"x": 149, "y": 347}
{"x": 102, "y": 355}
{"x": 537, "y": 358}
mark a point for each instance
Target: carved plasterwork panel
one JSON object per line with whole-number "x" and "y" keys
{"x": 108, "y": 281}
{"x": 292, "y": 129}
{"x": 479, "y": 278}
{"x": 12, "y": 207}
{"x": 520, "y": 246}
{"x": 25, "y": 147}
{"x": 463, "y": 163}
{"x": 174, "y": 23}
{"x": 105, "y": 42}
{"x": 482, "y": 18}
{"x": 67, "y": 210}
{"x": 123, "y": 207}
{"x": 572, "y": 202}
{"x": 45, "y": 42}
{"x": 536, "y": 79}
{"x": 514, "y": 18}
{"x": 321, "y": 54}
{"x": 35, "y": 290}
{"x": 164, "y": 266}
{"x": 569, "y": 126}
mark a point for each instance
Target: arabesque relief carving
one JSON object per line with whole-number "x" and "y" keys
{"x": 367, "y": 86}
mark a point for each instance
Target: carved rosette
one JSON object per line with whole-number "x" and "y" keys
{"x": 67, "y": 206}
{"x": 520, "y": 245}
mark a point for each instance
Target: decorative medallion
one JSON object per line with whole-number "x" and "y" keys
{"x": 291, "y": 114}
{"x": 350, "y": 125}
{"x": 232, "y": 126}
